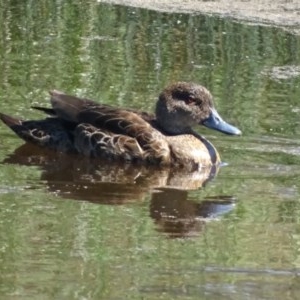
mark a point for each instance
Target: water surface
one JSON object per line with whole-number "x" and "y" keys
{"x": 71, "y": 228}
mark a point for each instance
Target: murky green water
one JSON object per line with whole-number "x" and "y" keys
{"x": 71, "y": 229}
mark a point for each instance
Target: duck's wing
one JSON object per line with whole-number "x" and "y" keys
{"x": 49, "y": 133}
{"x": 68, "y": 107}
{"x": 46, "y": 110}
{"x": 65, "y": 106}
{"x": 94, "y": 142}
{"x": 118, "y": 124}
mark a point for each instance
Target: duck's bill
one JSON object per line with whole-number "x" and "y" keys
{"x": 214, "y": 121}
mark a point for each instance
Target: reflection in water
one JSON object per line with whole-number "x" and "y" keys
{"x": 114, "y": 183}
{"x": 180, "y": 217}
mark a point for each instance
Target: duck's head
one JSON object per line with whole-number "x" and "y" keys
{"x": 183, "y": 105}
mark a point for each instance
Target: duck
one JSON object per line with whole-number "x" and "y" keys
{"x": 165, "y": 138}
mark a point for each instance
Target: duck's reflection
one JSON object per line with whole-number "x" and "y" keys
{"x": 112, "y": 183}
{"x": 179, "y": 217}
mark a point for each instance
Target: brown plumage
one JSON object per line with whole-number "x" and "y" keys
{"x": 96, "y": 130}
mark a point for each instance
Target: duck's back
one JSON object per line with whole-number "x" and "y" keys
{"x": 105, "y": 131}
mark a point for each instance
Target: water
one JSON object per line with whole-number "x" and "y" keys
{"x": 75, "y": 229}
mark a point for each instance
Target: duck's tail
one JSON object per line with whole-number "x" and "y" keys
{"x": 16, "y": 125}
{"x": 49, "y": 133}
{"x": 11, "y": 122}
{"x": 20, "y": 127}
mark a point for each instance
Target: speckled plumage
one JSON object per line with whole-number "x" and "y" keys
{"x": 96, "y": 130}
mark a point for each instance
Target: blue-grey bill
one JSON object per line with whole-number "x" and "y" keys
{"x": 214, "y": 121}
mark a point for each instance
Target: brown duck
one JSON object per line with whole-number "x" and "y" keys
{"x": 83, "y": 126}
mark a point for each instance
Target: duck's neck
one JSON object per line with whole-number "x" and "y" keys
{"x": 169, "y": 132}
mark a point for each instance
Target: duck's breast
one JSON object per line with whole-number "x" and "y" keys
{"x": 190, "y": 151}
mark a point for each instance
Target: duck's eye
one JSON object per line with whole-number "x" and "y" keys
{"x": 185, "y": 96}
{"x": 189, "y": 101}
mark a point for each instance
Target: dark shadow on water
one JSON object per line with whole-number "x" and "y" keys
{"x": 179, "y": 217}
{"x": 112, "y": 183}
